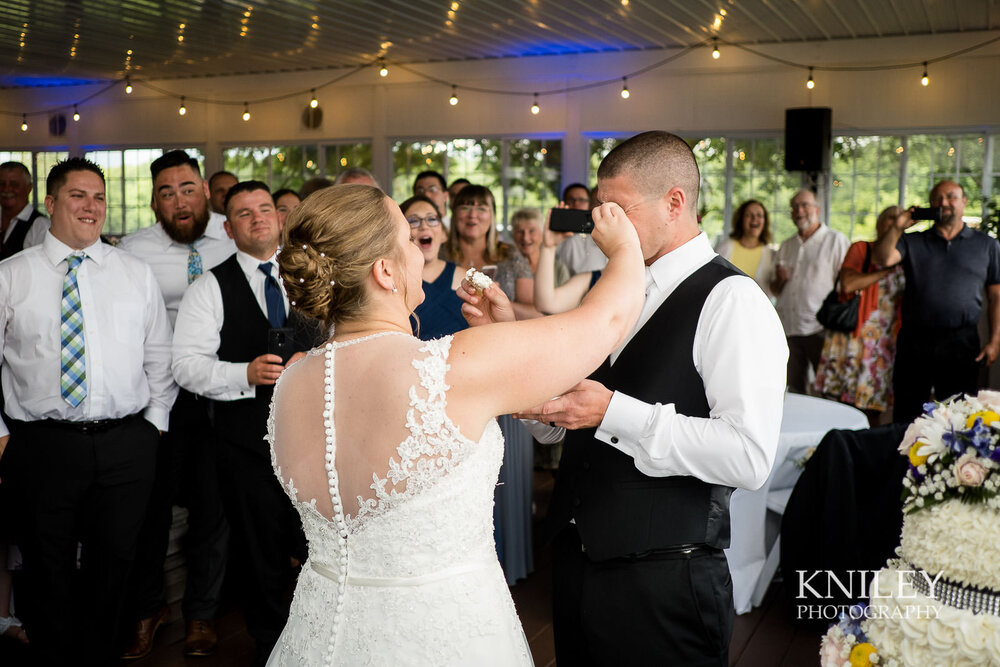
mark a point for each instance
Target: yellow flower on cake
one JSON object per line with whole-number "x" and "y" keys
{"x": 864, "y": 655}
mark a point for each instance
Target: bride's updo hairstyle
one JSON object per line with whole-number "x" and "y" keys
{"x": 329, "y": 244}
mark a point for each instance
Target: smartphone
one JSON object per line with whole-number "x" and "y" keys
{"x": 934, "y": 213}
{"x": 571, "y": 220}
{"x": 281, "y": 342}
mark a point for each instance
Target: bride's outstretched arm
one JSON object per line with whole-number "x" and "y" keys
{"x": 512, "y": 366}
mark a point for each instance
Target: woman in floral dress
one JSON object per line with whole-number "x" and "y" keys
{"x": 856, "y": 368}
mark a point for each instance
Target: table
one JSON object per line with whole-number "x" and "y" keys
{"x": 752, "y": 560}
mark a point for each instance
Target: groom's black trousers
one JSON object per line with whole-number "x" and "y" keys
{"x": 661, "y": 609}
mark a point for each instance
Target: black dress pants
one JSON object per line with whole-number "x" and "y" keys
{"x": 265, "y": 532}
{"x": 942, "y": 359}
{"x": 185, "y": 475}
{"x": 664, "y": 609}
{"x": 72, "y": 486}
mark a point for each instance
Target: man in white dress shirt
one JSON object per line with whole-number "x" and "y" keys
{"x": 86, "y": 375}
{"x": 807, "y": 266}
{"x": 230, "y": 329}
{"x": 579, "y": 252}
{"x": 186, "y": 241}
{"x": 21, "y": 225}
{"x": 687, "y": 408}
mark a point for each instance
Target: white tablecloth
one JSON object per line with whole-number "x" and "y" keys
{"x": 753, "y": 562}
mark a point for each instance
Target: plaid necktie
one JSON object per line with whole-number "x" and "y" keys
{"x": 272, "y": 297}
{"x": 194, "y": 264}
{"x": 73, "y": 365}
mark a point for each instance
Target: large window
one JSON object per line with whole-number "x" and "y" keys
{"x": 38, "y": 163}
{"x": 129, "y": 186}
{"x": 519, "y": 172}
{"x": 292, "y": 165}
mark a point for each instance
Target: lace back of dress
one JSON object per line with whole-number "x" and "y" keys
{"x": 375, "y": 434}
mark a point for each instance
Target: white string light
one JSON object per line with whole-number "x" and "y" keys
{"x": 24, "y": 122}
{"x": 534, "y": 106}
{"x": 181, "y": 110}
{"x": 810, "y": 84}
{"x": 453, "y": 100}
{"x": 625, "y": 93}
{"x": 383, "y": 71}
{"x": 924, "y": 80}
{"x": 246, "y": 112}
{"x": 715, "y": 49}
{"x": 128, "y": 86}
{"x": 313, "y": 103}
{"x": 76, "y": 114}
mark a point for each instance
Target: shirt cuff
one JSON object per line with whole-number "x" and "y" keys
{"x": 626, "y": 421}
{"x": 543, "y": 433}
{"x": 236, "y": 380}
{"x": 158, "y": 417}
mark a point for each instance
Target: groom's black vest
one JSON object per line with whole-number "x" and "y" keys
{"x": 618, "y": 510}
{"x": 244, "y": 338}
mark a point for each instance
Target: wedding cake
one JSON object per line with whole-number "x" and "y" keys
{"x": 938, "y": 603}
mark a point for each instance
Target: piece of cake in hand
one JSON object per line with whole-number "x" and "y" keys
{"x": 478, "y": 279}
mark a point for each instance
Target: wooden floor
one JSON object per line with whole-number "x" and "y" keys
{"x": 765, "y": 637}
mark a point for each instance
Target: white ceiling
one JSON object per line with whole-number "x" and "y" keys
{"x": 46, "y": 43}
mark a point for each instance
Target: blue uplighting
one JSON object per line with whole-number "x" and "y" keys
{"x": 45, "y": 81}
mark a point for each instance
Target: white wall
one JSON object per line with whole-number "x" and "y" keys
{"x": 694, "y": 95}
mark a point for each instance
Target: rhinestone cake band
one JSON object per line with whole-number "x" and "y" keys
{"x": 953, "y": 594}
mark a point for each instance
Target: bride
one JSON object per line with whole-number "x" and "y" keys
{"x": 388, "y": 447}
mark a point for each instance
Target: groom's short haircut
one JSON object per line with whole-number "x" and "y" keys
{"x": 654, "y": 162}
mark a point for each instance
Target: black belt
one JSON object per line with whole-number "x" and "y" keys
{"x": 94, "y": 425}
{"x": 671, "y": 552}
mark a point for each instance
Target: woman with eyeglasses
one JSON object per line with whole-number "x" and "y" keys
{"x": 472, "y": 239}
{"x": 440, "y": 314}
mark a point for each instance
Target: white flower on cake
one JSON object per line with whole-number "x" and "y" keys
{"x": 478, "y": 279}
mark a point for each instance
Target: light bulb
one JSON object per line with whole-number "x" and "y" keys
{"x": 625, "y": 93}
{"x": 246, "y": 112}
{"x": 534, "y": 106}
{"x": 24, "y": 122}
{"x": 128, "y": 86}
{"x": 383, "y": 70}
{"x": 453, "y": 100}
{"x": 810, "y": 84}
{"x": 313, "y": 102}
{"x": 181, "y": 110}
{"x": 76, "y": 114}
{"x": 715, "y": 49}
{"x": 924, "y": 80}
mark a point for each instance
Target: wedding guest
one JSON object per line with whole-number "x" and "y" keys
{"x": 285, "y": 200}
{"x": 356, "y": 175}
{"x": 948, "y": 269}
{"x": 806, "y": 266}
{"x": 856, "y": 367}
{"x": 221, "y": 353}
{"x": 432, "y": 185}
{"x": 87, "y": 384}
{"x": 686, "y": 409}
{"x": 314, "y": 184}
{"x": 440, "y": 313}
{"x": 516, "y": 274}
{"x": 472, "y": 239}
{"x": 456, "y": 186}
{"x": 550, "y": 296}
{"x": 186, "y": 240}
{"x": 22, "y": 225}
{"x": 748, "y": 246}
{"x": 218, "y": 185}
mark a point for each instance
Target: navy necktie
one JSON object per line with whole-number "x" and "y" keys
{"x": 272, "y": 296}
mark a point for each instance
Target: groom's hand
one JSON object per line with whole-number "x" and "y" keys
{"x": 583, "y": 406}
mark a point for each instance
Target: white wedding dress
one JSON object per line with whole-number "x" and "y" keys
{"x": 402, "y": 566}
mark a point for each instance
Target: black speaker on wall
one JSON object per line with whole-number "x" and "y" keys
{"x": 807, "y": 139}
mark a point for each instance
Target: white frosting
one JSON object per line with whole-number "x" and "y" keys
{"x": 478, "y": 279}
{"x": 961, "y": 540}
{"x": 942, "y": 635}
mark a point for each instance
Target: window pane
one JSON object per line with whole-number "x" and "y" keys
{"x": 342, "y": 156}
{"x": 111, "y": 163}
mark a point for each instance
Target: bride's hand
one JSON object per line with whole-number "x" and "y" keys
{"x": 612, "y": 229}
{"x": 487, "y": 308}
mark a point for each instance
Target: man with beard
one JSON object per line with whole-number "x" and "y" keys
{"x": 946, "y": 269}
{"x": 807, "y": 265}
{"x": 185, "y": 242}
{"x": 22, "y": 224}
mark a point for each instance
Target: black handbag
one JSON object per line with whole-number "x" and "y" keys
{"x": 838, "y": 315}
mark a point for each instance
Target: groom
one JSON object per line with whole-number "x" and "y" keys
{"x": 686, "y": 409}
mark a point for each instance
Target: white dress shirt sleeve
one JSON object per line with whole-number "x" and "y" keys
{"x": 543, "y": 433}
{"x": 156, "y": 357}
{"x": 740, "y": 353}
{"x": 5, "y": 312}
{"x": 197, "y": 335}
